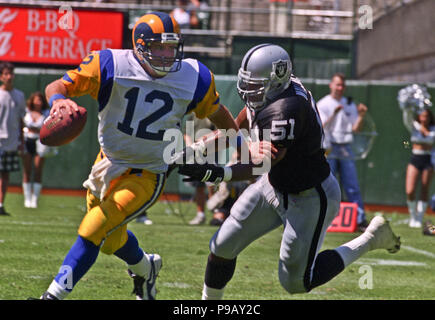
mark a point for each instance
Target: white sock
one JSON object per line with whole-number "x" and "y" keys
{"x": 412, "y": 208}
{"x": 354, "y": 249}
{"x": 37, "y": 189}
{"x": 421, "y": 210}
{"x": 142, "y": 268}
{"x": 200, "y": 214}
{"x": 211, "y": 293}
{"x": 57, "y": 290}
{"x": 1, "y": 204}
{"x": 27, "y": 191}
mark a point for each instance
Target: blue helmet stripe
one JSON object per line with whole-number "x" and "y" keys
{"x": 145, "y": 29}
{"x": 167, "y": 21}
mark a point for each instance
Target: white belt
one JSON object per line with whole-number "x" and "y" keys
{"x": 420, "y": 152}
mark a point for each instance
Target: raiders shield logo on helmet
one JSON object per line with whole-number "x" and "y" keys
{"x": 280, "y": 68}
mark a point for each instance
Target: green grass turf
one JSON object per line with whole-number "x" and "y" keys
{"x": 34, "y": 242}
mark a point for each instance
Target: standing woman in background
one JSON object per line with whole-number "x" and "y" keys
{"x": 34, "y": 151}
{"x": 419, "y": 121}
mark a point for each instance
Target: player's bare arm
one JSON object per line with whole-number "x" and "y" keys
{"x": 242, "y": 119}
{"x": 236, "y": 172}
{"x": 223, "y": 119}
{"x": 242, "y": 172}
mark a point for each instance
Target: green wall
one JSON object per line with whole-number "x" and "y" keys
{"x": 311, "y": 58}
{"x": 381, "y": 174}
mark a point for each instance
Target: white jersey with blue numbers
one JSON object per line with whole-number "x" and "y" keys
{"x": 135, "y": 109}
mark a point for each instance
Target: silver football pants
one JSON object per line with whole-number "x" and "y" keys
{"x": 261, "y": 209}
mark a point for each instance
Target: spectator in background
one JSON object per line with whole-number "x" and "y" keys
{"x": 34, "y": 150}
{"x": 185, "y": 17}
{"x": 421, "y": 125}
{"x": 341, "y": 118}
{"x": 12, "y": 110}
{"x": 278, "y": 17}
{"x": 197, "y": 7}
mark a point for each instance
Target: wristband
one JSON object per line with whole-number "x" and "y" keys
{"x": 55, "y": 96}
{"x": 228, "y": 173}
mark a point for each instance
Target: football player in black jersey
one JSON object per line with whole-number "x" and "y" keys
{"x": 298, "y": 192}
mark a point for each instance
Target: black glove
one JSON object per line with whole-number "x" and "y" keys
{"x": 202, "y": 172}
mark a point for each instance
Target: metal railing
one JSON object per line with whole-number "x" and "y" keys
{"x": 229, "y": 20}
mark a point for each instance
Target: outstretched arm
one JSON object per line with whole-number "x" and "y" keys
{"x": 236, "y": 172}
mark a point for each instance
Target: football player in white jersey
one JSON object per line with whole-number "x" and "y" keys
{"x": 141, "y": 93}
{"x": 299, "y": 192}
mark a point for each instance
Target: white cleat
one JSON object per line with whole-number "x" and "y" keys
{"x": 197, "y": 220}
{"x": 146, "y": 289}
{"x": 414, "y": 222}
{"x": 27, "y": 204}
{"x": 381, "y": 235}
{"x": 144, "y": 220}
{"x": 34, "y": 203}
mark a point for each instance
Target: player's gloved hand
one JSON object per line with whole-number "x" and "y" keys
{"x": 202, "y": 172}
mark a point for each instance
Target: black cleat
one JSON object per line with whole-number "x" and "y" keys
{"x": 3, "y": 212}
{"x": 363, "y": 226}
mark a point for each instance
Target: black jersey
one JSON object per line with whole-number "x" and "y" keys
{"x": 294, "y": 123}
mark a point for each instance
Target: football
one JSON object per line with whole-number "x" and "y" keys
{"x": 58, "y": 131}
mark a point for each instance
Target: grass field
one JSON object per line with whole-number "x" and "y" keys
{"x": 33, "y": 243}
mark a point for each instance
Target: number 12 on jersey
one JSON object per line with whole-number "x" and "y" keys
{"x": 279, "y": 129}
{"x": 142, "y": 130}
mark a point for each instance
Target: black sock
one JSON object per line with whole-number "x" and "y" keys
{"x": 327, "y": 265}
{"x": 219, "y": 271}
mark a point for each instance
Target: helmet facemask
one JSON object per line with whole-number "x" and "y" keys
{"x": 161, "y": 64}
{"x": 252, "y": 91}
{"x": 255, "y": 92}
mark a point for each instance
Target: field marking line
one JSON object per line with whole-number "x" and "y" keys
{"x": 179, "y": 285}
{"x": 31, "y": 223}
{"x": 402, "y": 221}
{"x": 423, "y": 252}
{"x": 385, "y": 262}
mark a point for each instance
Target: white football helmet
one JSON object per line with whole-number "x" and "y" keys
{"x": 265, "y": 73}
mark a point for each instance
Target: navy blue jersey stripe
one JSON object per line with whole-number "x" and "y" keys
{"x": 66, "y": 77}
{"x": 202, "y": 86}
{"x": 106, "y": 80}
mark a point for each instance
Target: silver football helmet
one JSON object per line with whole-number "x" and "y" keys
{"x": 265, "y": 73}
